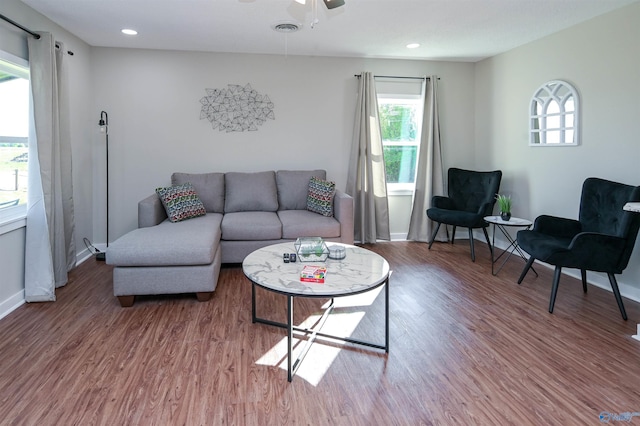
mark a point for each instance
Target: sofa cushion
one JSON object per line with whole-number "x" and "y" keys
{"x": 303, "y": 223}
{"x": 192, "y": 242}
{"x": 320, "y": 197}
{"x": 209, "y": 186}
{"x": 250, "y": 192}
{"x": 293, "y": 187}
{"x": 251, "y": 226}
{"x": 181, "y": 202}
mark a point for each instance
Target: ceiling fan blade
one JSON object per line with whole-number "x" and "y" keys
{"x": 332, "y": 4}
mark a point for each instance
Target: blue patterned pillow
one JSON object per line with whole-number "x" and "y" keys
{"x": 320, "y": 197}
{"x": 181, "y": 202}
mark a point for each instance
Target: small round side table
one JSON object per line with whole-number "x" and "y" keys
{"x": 513, "y": 246}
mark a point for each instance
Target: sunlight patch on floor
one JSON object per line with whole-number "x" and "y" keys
{"x": 362, "y": 299}
{"x": 321, "y": 355}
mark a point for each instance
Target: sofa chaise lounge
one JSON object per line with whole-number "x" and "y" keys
{"x": 244, "y": 212}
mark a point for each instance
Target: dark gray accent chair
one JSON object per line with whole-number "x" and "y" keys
{"x": 601, "y": 240}
{"x": 472, "y": 195}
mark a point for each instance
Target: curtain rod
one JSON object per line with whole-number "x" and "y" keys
{"x": 397, "y": 76}
{"x": 28, "y": 31}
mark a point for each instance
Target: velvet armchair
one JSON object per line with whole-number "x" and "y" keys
{"x": 601, "y": 240}
{"x": 471, "y": 197}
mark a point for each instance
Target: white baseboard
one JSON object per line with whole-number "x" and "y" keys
{"x": 87, "y": 254}
{"x": 399, "y": 236}
{"x": 594, "y": 278}
{"x": 82, "y": 256}
{"x": 11, "y": 304}
{"x": 393, "y": 237}
{"x": 601, "y": 280}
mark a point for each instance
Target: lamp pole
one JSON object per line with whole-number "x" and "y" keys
{"x": 104, "y": 128}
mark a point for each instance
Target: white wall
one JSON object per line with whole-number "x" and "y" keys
{"x": 152, "y": 98}
{"x": 12, "y": 266}
{"x": 602, "y": 59}
{"x": 399, "y": 215}
{"x": 14, "y": 41}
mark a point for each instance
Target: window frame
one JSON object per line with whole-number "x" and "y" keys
{"x": 554, "y": 92}
{"x": 14, "y": 217}
{"x": 396, "y": 188}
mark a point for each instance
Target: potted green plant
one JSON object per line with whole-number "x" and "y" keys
{"x": 504, "y": 203}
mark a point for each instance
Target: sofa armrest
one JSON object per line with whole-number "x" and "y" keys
{"x": 151, "y": 212}
{"x": 343, "y": 212}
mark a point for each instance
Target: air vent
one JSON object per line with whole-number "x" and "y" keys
{"x": 286, "y": 27}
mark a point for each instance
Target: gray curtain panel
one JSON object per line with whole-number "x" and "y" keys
{"x": 430, "y": 177}
{"x": 366, "y": 180}
{"x": 50, "y": 242}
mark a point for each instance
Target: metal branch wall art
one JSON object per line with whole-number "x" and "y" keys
{"x": 236, "y": 108}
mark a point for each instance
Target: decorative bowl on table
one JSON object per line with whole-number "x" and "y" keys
{"x": 337, "y": 252}
{"x": 311, "y": 249}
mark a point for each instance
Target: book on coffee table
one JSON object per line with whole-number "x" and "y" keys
{"x": 313, "y": 274}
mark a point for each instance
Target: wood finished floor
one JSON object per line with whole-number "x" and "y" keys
{"x": 465, "y": 348}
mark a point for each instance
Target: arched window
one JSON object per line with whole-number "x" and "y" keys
{"x": 554, "y": 115}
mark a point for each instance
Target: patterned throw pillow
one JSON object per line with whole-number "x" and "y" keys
{"x": 181, "y": 202}
{"x": 320, "y": 197}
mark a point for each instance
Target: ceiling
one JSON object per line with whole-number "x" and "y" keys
{"x": 456, "y": 30}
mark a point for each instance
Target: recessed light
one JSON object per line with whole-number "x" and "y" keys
{"x": 129, "y": 31}
{"x": 413, "y": 45}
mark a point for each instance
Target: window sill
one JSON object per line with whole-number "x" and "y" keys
{"x": 13, "y": 218}
{"x": 400, "y": 190}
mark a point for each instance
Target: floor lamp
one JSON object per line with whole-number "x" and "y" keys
{"x": 104, "y": 128}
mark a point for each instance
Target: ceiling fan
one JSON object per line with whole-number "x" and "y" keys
{"x": 331, "y": 4}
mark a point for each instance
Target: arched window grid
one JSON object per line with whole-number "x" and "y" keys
{"x": 553, "y": 117}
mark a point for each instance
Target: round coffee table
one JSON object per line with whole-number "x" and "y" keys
{"x": 360, "y": 271}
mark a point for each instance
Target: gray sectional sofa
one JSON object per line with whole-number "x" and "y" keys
{"x": 244, "y": 212}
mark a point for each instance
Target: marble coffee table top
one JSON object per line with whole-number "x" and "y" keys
{"x": 361, "y": 270}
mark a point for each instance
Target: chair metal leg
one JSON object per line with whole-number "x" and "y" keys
{"x": 526, "y": 269}
{"x": 433, "y": 237}
{"x": 486, "y": 235}
{"x": 453, "y": 234}
{"x": 473, "y": 253}
{"x": 616, "y": 292}
{"x": 554, "y": 289}
{"x": 583, "y": 273}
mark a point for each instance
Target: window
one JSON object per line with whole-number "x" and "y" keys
{"x": 400, "y": 124}
{"x": 14, "y": 133}
{"x": 554, "y": 115}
